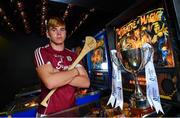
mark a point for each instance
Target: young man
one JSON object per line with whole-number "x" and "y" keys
{"x": 52, "y": 62}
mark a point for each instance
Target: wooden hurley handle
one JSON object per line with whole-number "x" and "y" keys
{"x": 90, "y": 44}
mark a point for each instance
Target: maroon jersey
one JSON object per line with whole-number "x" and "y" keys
{"x": 63, "y": 97}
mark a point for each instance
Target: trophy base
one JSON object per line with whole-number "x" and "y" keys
{"x": 139, "y": 102}
{"x": 139, "y": 106}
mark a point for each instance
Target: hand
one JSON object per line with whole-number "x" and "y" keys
{"x": 81, "y": 70}
{"x": 77, "y": 71}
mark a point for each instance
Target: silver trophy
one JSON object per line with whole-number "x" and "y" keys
{"x": 133, "y": 60}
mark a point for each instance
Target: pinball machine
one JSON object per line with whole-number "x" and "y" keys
{"x": 99, "y": 64}
{"x": 25, "y": 103}
{"x": 151, "y": 22}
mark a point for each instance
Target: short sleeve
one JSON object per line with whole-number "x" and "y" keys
{"x": 40, "y": 57}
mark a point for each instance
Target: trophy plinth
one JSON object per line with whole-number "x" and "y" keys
{"x": 138, "y": 112}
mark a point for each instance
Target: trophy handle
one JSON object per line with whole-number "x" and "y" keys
{"x": 120, "y": 62}
{"x": 117, "y": 60}
{"x": 147, "y": 53}
{"x": 114, "y": 58}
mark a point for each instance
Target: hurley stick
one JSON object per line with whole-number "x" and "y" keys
{"x": 90, "y": 44}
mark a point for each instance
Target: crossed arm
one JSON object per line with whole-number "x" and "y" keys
{"x": 53, "y": 78}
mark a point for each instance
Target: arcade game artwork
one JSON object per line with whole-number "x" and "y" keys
{"x": 150, "y": 27}
{"x": 98, "y": 57}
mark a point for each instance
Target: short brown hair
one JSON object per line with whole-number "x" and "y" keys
{"x": 54, "y": 22}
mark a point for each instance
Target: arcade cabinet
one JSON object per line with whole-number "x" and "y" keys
{"x": 152, "y": 19}
{"x": 99, "y": 63}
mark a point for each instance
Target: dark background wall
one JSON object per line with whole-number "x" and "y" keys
{"x": 16, "y": 64}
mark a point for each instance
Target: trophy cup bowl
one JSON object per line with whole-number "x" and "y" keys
{"x": 133, "y": 60}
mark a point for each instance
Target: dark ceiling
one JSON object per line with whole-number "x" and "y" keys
{"x": 83, "y": 17}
